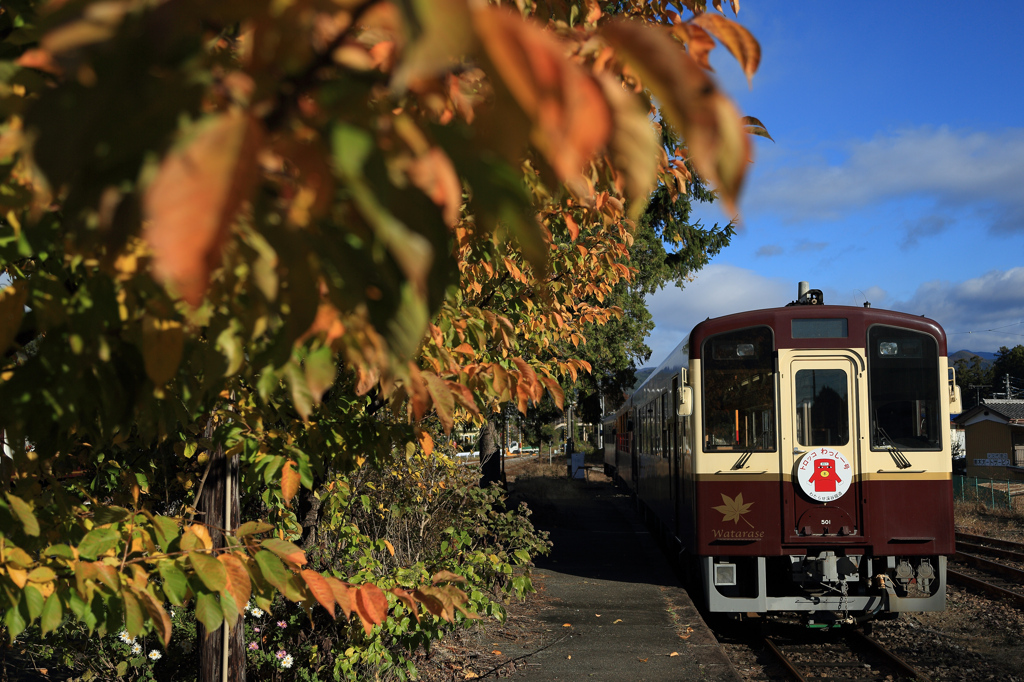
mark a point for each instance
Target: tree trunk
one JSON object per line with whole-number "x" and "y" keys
{"x": 211, "y": 504}
{"x": 490, "y": 455}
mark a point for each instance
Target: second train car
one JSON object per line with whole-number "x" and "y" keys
{"x": 799, "y": 457}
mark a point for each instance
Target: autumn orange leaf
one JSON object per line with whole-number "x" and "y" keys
{"x": 239, "y": 583}
{"x": 371, "y": 604}
{"x": 320, "y": 589}
{"x": 290, "y": 480}
{"x": 570, "y": 116}
{"x": 195, "y": 196}
{"x": 705, "y": 118}
{"x": 738, "y": 40}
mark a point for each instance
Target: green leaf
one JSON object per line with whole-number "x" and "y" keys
{"x": 134, "y": 621}
{"x": 320, "y": 372}
{"x": 60, "y": 551}
{"x": 253, "y": 528}
{"x": 52, "y": 614}
{"x": 209, "y": 570}
{"x": 351, "y": 147}
{"x": 14, "y": 621}
{"x": 102, "y": 515}
{"x": 33, "y": 602}
{"x": 273, "y": 569}
{"x": 24, "y": 513}
{"x": 175, "y": 582}
{"x": 97, "y": 542}
{"x": 208, "y": 611}
{"x": 286, "y": 550}
{"x": 166, "y": 531}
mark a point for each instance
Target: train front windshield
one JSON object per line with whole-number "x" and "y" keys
{"x": 737, "y": 371}
{"x": 903, "y": 371}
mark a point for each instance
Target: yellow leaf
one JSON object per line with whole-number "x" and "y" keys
{"x": 162, "y": 344}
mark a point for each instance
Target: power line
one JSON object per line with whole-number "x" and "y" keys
{"x": 982, "y": 331}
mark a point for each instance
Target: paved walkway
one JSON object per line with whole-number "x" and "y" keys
{"x": 617, "y": 611}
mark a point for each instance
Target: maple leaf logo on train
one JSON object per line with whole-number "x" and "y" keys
{"x": 734, "y": 509}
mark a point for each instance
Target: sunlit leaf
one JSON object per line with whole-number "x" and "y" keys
{"x": 320, "y": 589}
{"x": 371, "y": 604}
{"x": 195, "y": 196}
{"x": 24, "y": 514}
{"x": 210, "y": 571}
{"x": 238, "y": 582}
{"x": 736, "y": 39}
{"x": 706, "y": 119}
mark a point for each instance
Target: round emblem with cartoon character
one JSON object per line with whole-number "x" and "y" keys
{"x": 824, "y": 474}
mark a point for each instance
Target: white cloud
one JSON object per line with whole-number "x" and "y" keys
{"x": 979, "y": 314}
{"x": 994, "y": 301}
{"x": 978, "y": 171}
{"x": 718, "y": 290}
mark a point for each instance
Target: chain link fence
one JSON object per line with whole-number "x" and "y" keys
{"x": 994, "y": 494}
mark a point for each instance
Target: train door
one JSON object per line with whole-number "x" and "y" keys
{"x": 821, "y": 446}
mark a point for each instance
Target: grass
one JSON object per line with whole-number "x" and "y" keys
{"x": 976, "y": 518}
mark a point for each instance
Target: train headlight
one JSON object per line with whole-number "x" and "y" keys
{"x": 725, "y": 575}
{"x": 888, "y": 348}
{"x": 745, "y": 350}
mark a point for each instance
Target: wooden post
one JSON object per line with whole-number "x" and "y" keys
{"x": 212, "y": 502}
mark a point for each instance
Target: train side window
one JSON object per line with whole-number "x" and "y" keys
{"x": 822, "y": 407}
{"x": 738, "y": 391}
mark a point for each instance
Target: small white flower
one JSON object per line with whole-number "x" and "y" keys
{"x": 256, "y": 613}
{"x": 123, "y": 636}
{"x": 287, "y": 661}
{"x": 136, "y": 648}
{"x": 155, "y": 655}
{"x": 172, "y": 613}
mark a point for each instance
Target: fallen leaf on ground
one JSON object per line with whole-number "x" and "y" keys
{"x": 566, "y": 625}
{"x": 674, "y": 653}
{"x": 642, "y": 660}
{"x": 617, "y": 620}
{"x": 597, "y": 615}
{"x": 496, "y": 652}
{"x": 471, "y": 676}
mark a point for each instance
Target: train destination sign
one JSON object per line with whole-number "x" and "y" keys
{"x": 824, "y": 474}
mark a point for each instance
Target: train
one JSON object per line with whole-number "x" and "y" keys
{"x": 798, "y": 460}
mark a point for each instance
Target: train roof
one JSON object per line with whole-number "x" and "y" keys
{"x": 780, "y": 320}
{"x": 858, "y": 321}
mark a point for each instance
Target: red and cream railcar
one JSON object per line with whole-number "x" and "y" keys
{"x": 801, "y": 458}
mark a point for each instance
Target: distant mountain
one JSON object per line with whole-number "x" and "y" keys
{"x": 987, "y": 358}
{"x": 641, "y": 376}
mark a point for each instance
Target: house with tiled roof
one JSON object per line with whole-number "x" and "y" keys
{"x": 994, "y": 434}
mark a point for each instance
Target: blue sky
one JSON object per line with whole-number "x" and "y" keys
{"x": 896, "y": 175}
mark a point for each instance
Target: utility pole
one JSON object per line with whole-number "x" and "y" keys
{"x": 977, "y": 388}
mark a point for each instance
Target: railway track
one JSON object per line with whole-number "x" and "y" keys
{"x": 975, "y": 567}
{"x": 847, "y": 654}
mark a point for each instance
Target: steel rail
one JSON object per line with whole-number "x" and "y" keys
{"x": 978, "y": 584}
{"x": 999, "y": 553}
{"x": 995, "y": 542}
{"x": 984, "y": 564}
{"x": 878, "y": 648}
{"x": 784, "y": 660}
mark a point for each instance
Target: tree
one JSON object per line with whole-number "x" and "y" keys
{"x": 1007, "y": 371}
{"x": 974, "y": 379}
{"x": 306, "y": 235}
